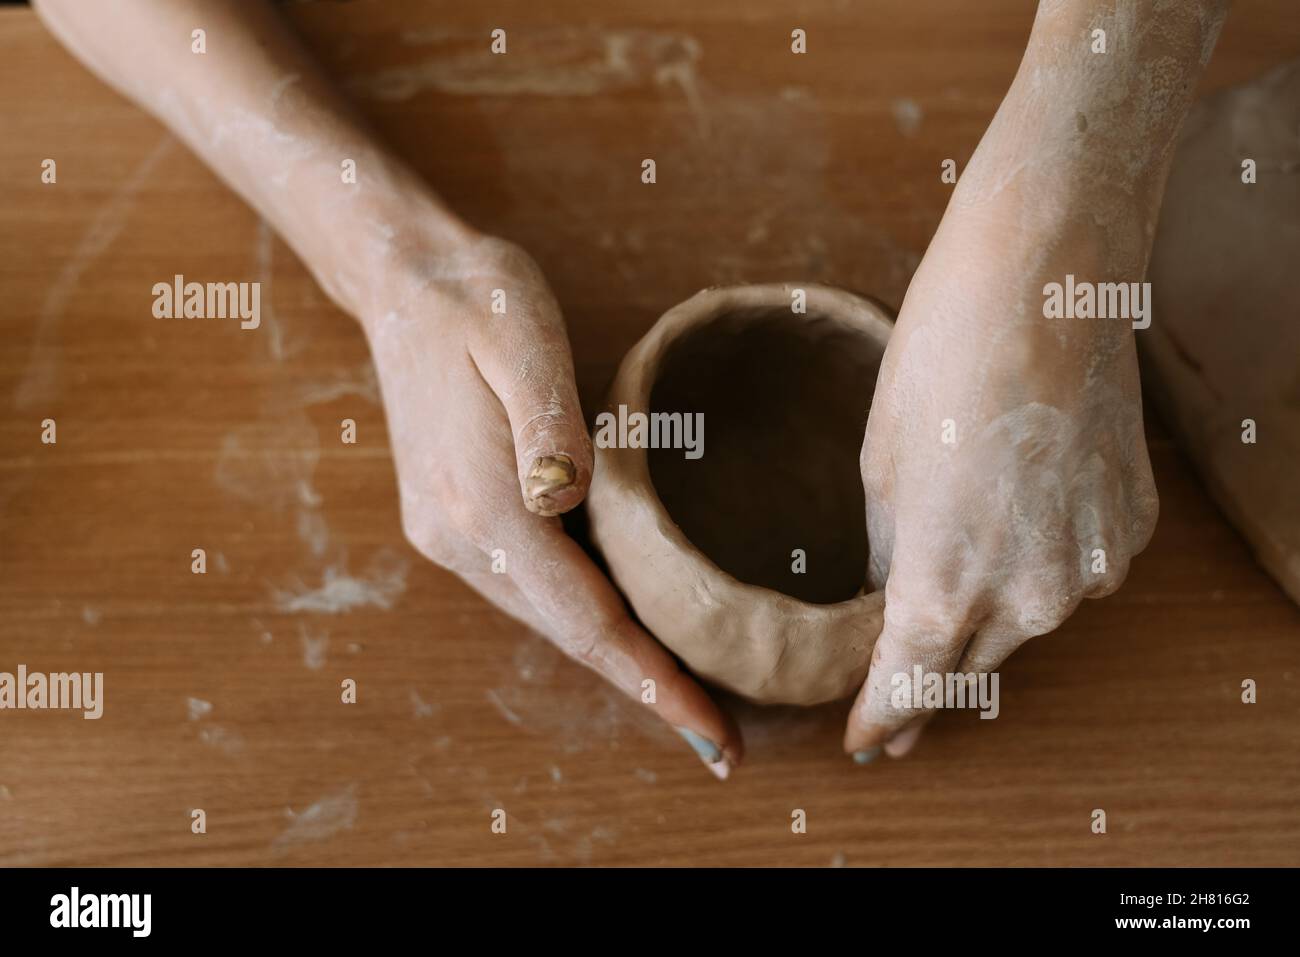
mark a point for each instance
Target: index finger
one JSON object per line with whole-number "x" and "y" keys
{"x": 588, "y": 621}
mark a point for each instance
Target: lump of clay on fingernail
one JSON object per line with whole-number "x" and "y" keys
{"x": 1224, "y": 342}
{"x": 549, "y": 474}
{"x": 748, "y": 561}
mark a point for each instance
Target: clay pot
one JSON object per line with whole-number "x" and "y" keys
{"x": 706, "y": 549}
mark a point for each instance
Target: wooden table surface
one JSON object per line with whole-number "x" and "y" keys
{"x": 174, "y": 436}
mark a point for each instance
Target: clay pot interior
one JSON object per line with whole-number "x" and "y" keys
{"x": 785, "y": 400}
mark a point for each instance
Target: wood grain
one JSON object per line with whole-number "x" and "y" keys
{"x": 175, "y": 435}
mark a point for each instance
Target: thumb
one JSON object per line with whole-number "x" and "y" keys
{"x": 528, "y": 365}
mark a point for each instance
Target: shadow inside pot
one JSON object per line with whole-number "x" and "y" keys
{"x": 784, "y": 400}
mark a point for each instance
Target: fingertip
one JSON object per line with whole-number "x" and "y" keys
{"x": 721, "y": 770}
{"x": 860, "y": 738}
{"x": 733, "y": 749}
{"x": 720, "y": 762}
{"x": 860, "y": 733}
{"x": 902, "y": 743}
{"x": 866, "y": 755}
{"x": 711, "y": 732}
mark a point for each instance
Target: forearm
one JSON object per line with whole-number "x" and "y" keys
{"x": 258, "y": 111}
{"x": 1083, "y": 140}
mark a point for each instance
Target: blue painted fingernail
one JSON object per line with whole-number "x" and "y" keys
{"x": 867, "y": 756}
{"x": 709, "y": 752}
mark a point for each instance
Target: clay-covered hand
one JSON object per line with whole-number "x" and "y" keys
{"x": 490, "y": 444}
{"x": 1004, "y": 464}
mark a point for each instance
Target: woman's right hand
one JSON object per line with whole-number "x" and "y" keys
{"x": 490, "y": 445}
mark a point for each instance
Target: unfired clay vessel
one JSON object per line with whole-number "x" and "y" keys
{"x": 705, "y": 549}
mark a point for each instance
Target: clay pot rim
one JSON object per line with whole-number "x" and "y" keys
{"x": 639, "y": 371}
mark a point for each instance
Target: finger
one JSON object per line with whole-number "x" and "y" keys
{"x": 888, "y": 699}
{"x": 984, "y": 655}
{"x": 524, "y": 357}
{"x": 1143, "y": 506}
{"x": 1102, "y": 580}
{"x": 902, "y": 743}
{"x": 503, "y": 593}
{"x": 990, "y": 647}
{"x": 586, "y": 618}
{"x": 1103, "y": 548}
{"x": 471, "y": 564}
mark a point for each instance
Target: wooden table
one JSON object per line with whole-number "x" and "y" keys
{"x": 223, "y": 689}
